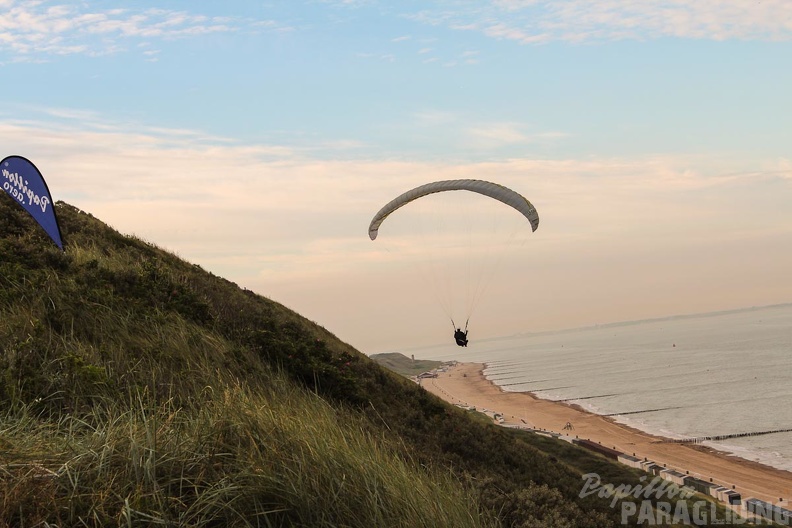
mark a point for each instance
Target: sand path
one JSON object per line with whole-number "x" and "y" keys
{"x": 466, "y": 384}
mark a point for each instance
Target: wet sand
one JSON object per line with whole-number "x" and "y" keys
{"x": 465, "y": 384}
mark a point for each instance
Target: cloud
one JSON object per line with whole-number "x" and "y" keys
{"x": 498, "y": 134}
{"x": 492, "y": 135}
{"x": 29, "y": 30}
{"x": 385, "y": 57}
{"x": 434, "y": 117}
{"x": 538, "y": 21}
{"x": 480, "y": 135}
{"x": 292, "y": 225}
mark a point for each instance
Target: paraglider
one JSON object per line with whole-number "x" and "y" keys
{"x": 461, "y": 337}
{"x": 488, "y": 189}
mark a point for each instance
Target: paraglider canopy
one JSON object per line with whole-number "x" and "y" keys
{"x": 493, "y": 190}
{"x": 459, "y": 263}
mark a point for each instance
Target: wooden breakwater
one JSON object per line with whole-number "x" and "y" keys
{"x": 643, "y": 411}
{"x": 699, "y": 439}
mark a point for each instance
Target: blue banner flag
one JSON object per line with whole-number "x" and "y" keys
{"x": 25, "y": 184}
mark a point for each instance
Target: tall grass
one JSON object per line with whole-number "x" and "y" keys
{"x": 122, "y": 405}
{"x": 277, "y": 457}
{"x": 137, "y": 389}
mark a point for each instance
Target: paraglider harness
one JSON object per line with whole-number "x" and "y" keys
{"x": 459, "y": 335}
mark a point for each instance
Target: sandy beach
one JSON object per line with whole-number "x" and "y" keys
{"x": 466, "y": 384}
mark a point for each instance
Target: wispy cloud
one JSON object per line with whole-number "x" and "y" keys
{"x": 30, "y": 30}
{"x": 493, "y": 135}
{"x": 538, "y": 21}
{"x": 477, "y": 135}
{"x": 385, "y": 57}
{"x": 111, "y": 166}
{"x": 292, "y": 225}
{"x": 499, "y": 133}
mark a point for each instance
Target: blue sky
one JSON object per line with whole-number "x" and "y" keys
{"x": 258, "y": 138}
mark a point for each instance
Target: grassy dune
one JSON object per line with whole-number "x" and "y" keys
{"x": 137, "y": 389}
{"x": 279, "y": 457}
{"x": 403, "y": 365}
{"x": 128, "y": 400}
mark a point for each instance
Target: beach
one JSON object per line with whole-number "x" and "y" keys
{"x": 465, "y": 384}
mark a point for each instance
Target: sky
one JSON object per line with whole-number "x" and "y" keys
{"x": 258, "y": 138}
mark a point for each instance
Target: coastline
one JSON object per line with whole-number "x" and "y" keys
{"x": 465, "y": 384}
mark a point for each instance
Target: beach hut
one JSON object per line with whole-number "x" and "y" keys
{"x": 717, "y": 492}
{"x": 732, "y": 497}
{"x": 651, "y": 468}
{"x": 598, "y": 448}
{"x": 647, "y": 464}
{"x": 702, "y": 486}
{"x": 680, "y": 479}
{"x": 630, "y": 461}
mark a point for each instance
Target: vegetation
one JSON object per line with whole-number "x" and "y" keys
{"x": 141, "y": 390}
{"x": 401, "y": 364}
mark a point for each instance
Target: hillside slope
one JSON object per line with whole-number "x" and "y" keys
{"x": 141, "y": 389}
{"x": 401, "y": 364}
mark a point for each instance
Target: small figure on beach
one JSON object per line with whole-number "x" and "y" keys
{"x": 568, "y": 426}
{"x": 461, "y": 337}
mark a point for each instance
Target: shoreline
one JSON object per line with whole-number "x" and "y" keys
{"x": 465, "y": 384}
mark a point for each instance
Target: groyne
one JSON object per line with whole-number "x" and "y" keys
{"x": 700, "y": 439}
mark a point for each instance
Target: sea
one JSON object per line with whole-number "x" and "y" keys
{"x": 690, "y": 376}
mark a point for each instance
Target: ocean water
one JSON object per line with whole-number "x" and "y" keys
{"x": 689, "y": 376}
